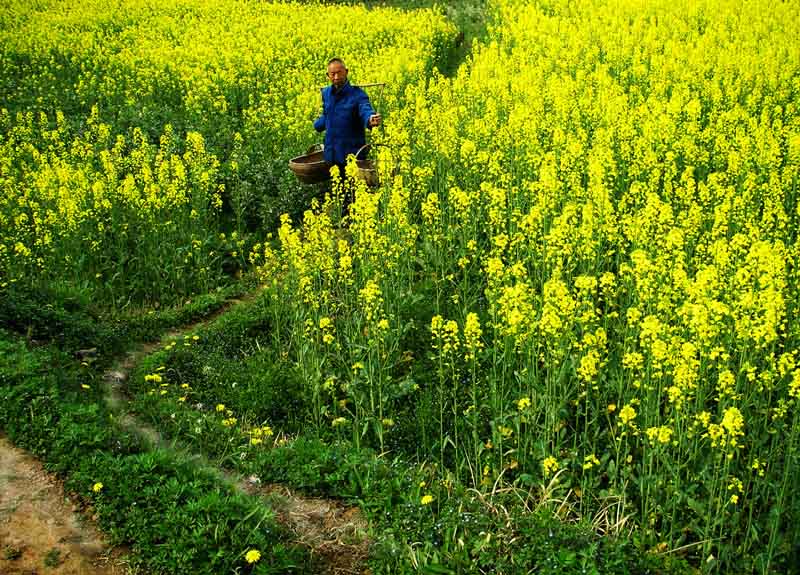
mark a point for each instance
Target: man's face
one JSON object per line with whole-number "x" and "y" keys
{"x": 337, "y": 74}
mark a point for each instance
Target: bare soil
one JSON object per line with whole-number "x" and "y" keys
{"x": 333, "y": 532}
{"x": 41, "y": 531}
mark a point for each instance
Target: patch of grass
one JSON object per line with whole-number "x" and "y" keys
{"x": 144, "y": 498}
{"x": 69, "y": 320}
{"x": 239, "y": 381}
{"x": 12, "y": 553}
{"x": 52, "y": 558}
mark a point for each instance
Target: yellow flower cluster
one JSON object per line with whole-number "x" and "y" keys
{"x": 248, "y": 86}
{"x": 619, "y": 197}
{"x": 445, "y": 335}
{"x": 472, "y": 336}
{"x": 661, "y": 434}
{"x": 549, "y": 465}
{"x": 729, "y": 431}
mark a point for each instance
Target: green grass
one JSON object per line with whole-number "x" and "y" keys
{"x": 234, "y": 370}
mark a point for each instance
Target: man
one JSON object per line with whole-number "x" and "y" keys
{"x": 346, "y": 113}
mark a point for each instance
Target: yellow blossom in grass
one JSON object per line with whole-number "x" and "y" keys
{"x": 735, "y": 484}
{"x": 97, "y": 487}
{"x": 726, "y": 384}
{"x": 339, "y": 421}
{"x": 612, "y": 407}
{"x": 252, "y": 556}
{"x": 627, "y": 414}
{"x": 733, "y": 422}
{"x": 549, "y": 465}
{"x": 445, "y": 335}
{"x": 387, "y": 422}
{"x": 357, "y": 365}
{"x": 220, "y": 407}
{"x": 586, "y": 283}
{"x": 266, "y": 430}
{"x": 794, "y": 386}
{"x": 607, "y": 280}
{"x": 84, "y": 386}
{"x": 590, "y": 461}
{"x": 675, "y": 395}
{"x": 426, "y": 499}
{"x": 523, "y": 403}
{"x": 472, "y": 336}
{"x": 703, "y": 418}
{"x": 588, "y": 368}
{"x": 195, "y": 337}
{"x": 506, "y": 431}
{"x": 229, "y": 422}
{"x": 154, "y": 377}
{"x": 728, "y": 431}
{"x": 371, "y": 299}
{"x": 661, "y": 434}
{"x": 256, "y": 441}
{"x": 633, "y": 360}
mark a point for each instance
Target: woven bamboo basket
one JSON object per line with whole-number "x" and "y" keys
{"x": 311, "y": 167}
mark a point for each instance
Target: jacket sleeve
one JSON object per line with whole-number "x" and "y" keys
{"x": 319, "y": 123}
{"x": 365, "y": 109}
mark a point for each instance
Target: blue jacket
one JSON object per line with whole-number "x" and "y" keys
{"x": 345, "y": 115}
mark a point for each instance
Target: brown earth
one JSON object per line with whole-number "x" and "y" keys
{"x": 41, "y": 531}
{"x": 333, "y": 532}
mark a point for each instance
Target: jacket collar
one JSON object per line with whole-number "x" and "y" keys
{"x": 345, "y": 88}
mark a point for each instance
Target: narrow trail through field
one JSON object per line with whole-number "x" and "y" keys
{"x": 41, "y": 531}
{"x": 333, "y": 532}
{"x": 470, "y": 17}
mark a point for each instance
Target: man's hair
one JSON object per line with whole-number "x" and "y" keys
{"x": 339, "y": 60}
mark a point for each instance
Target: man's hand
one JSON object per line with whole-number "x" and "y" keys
{"x": 374, "y": 120}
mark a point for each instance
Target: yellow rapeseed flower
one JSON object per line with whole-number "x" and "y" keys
{"x": 627, "y": 414}
{"x": 549, "y": 465}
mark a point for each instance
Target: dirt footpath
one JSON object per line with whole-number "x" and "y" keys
{"x": 40, "y": 531}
